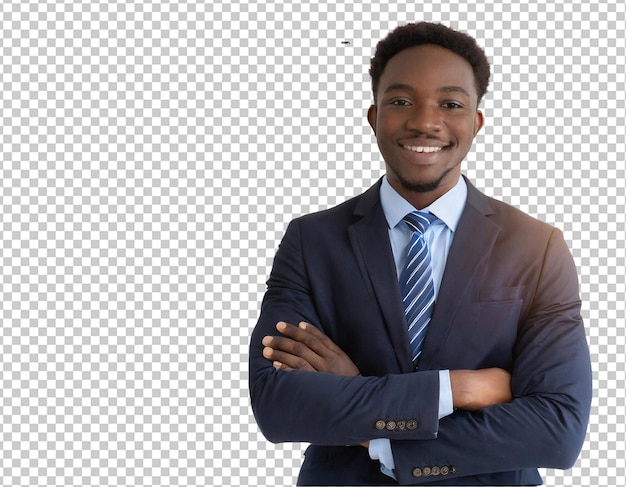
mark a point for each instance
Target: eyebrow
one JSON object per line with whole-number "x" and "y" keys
{"x": 443, "y": 89}
{"x": 398, "y": 87}
{"x": 454, "y": 89}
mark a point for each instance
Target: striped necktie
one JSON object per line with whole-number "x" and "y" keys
{"x": 416, "y": 282}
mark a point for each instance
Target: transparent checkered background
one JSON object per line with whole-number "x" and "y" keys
{"x": 152, "y": 155}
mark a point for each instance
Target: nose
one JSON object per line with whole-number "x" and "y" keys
{"x": 425, "y": 119}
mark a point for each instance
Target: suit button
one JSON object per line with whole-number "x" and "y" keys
{"x": 445, "y": 470}
{"x": 417, "y": 472}
{"x": 426, "y": 471}
{"x": 435, "y": 471}
{"x": 411, "y": 424}
{"x": 380, "y": 424}
{"x": 401, "y": 425}
{"x": 391, "y": 425}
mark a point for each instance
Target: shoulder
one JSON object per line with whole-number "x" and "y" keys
{"x": 505, "y": 215}
{"x": 510, "y": 216}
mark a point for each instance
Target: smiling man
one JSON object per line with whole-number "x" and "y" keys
{"x": 425, "y": 120}
{"x": 422, "y": 332}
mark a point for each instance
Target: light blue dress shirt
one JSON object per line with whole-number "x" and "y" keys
{"x": 448, "y": 209}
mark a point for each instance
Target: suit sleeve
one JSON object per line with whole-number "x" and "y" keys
{"x": 545, "y": 424}
{"x": 322, "y": 408}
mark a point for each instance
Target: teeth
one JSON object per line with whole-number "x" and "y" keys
{"x": 423, "y": 149}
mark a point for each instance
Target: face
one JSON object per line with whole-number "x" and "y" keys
{"x": 425, "y": 120}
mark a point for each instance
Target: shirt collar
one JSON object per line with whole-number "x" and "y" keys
{"x": 448, "y": 207}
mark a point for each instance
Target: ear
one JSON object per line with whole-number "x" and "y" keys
{"x": 479, "y": 121}
{"x": 371, "y": 117}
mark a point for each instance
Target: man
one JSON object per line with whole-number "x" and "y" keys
{"x": 423, "y": 333}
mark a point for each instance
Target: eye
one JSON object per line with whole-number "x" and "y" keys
{"x": 400, "y": 102}
{"x": 451, "y": 105}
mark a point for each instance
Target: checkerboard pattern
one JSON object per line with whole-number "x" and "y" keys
{"x": 152, "y": 154}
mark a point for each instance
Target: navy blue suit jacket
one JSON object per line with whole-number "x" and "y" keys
{"x": 509, "y": 298}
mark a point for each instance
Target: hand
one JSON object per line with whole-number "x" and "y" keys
{"x": 306, "y": 348}
{"x": 477, "y": 389}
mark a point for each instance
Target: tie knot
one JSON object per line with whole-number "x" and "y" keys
{"x": 418, "y": 221}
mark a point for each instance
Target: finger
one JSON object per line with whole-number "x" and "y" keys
{"x": 304, "y": 346}
{"x": 321, "y": 336}
{"x": 280, "y": 366}
{"x": 310, "y": 336}
{"x": 293, "y": 347}
{"x": 287, "y": 361}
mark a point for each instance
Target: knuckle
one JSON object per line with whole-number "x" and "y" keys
{"x": 312, "y": 342}
{"x": 277, "y": 355}
{"x": 277, "y": 342}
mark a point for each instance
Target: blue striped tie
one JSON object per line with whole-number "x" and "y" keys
{"x": 416, "y": 282}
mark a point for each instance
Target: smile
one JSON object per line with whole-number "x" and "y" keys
{"x": 422, "y": 149}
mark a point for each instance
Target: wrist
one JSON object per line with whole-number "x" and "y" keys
{"x": 460, "y": 395}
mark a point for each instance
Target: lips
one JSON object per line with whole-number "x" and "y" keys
{"x": 419, "y": 148}
{"x": 423, "y": 145}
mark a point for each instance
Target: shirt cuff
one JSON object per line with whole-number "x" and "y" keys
{"x": 446, "y": 405}
{"x": 380, "y": 449}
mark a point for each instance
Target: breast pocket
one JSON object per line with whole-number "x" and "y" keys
{"x": 499, "y": 308}
{"x": 494, "y": 329}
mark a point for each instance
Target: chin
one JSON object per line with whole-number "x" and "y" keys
{"x": 424, "y": 184}
{"x": 420, "y": 186}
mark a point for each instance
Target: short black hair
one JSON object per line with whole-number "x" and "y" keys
{"x": 416, "y": 34}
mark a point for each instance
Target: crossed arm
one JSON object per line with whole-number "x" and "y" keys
{"x": 306, "y": 348}
{"x": 326, "y": 402}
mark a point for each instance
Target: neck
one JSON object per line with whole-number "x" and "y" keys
{"x": 422, "y": 196}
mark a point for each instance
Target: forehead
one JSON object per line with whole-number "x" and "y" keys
{"x": 428, "y": 67}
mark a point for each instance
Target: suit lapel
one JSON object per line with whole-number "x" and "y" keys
{"x": 472, "y": 244}
{"x": 369, "y": 237}
{"x": 473, "y": 241}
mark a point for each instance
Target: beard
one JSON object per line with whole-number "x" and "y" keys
{"x": 421, "y": 186}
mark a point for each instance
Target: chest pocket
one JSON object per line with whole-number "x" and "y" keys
{"x": 484, "y": 334}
